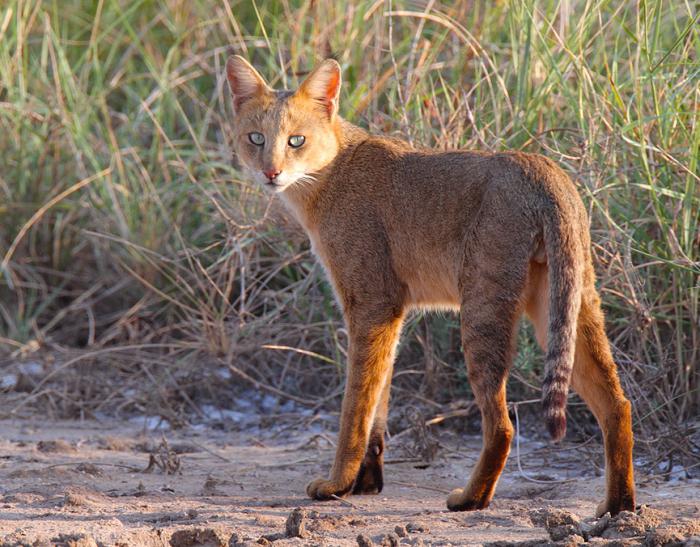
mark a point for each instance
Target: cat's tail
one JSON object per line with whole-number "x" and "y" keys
{"x": 565, "y": 260}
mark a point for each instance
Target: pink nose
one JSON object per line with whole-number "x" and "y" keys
{"x": 271, "y": 173}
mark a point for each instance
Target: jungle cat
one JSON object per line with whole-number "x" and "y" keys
{"x": 490, "y": 235}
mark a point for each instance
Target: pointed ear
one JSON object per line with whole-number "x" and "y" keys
{"x": 244, "y": 81}
{"x": 323, "y": 86}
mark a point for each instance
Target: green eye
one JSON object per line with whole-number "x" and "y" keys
{"x": 295, "y": 141}
{"x": 256, "y": 138}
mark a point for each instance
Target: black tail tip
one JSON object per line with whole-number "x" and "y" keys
{"x": 556, "y": 426}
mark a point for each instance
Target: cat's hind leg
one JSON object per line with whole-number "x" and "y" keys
{"x": 595, "y": 379}
{"x": 491, "y": 306}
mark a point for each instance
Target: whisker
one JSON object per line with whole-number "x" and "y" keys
{"x": 303, "y": 178}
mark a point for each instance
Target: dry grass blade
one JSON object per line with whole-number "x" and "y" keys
{"x": 42, "y": 211}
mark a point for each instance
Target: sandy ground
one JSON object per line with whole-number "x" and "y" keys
{"x": 81, "y": 483}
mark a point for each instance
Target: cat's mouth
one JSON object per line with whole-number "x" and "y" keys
{"x": 287, "y": 180}
{"x": 277, "y": 185}
{"x": 283, "y": 181}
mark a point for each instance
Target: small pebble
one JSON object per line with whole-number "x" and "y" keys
{"x": 296, "y": 524}
{"x": 415, "y": 527}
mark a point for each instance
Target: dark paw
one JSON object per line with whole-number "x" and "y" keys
{"x": 370, "y": 480}
{"x": 370, "y": 477}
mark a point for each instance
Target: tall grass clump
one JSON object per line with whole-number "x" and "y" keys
{"x": 131, "y": 248}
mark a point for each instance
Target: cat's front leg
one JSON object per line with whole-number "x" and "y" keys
{"x": 371, "y": 355}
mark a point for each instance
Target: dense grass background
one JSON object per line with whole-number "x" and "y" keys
{"x": 132, "y": 252}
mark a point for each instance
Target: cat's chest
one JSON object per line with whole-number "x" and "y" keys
{"x": 320, "y": 251}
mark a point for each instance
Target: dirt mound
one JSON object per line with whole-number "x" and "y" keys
{"x": 199, "y": 537}
{"x": 19, "y": 539}
{"x": 55, "y": 446}
{"x": 646, "y": 526}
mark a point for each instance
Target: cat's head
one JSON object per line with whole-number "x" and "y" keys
{"x": 282, "y": 138}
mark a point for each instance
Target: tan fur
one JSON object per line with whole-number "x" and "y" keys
{"x": 491, "y": 235}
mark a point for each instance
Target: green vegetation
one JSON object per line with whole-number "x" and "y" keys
{"x": 129, "y": 245}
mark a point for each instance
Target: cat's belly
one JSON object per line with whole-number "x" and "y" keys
{"x": 430, "y": 278}
{"x": 432, "y": 284}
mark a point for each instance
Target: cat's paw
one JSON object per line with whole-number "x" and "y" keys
{"x": 324, "y": 489}
{"x": 370, "y": 478}
{"x": 623, "y": 503}
{"x": 459, "y": 501}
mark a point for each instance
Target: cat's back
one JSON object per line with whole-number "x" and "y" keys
{"x": 372, "y": 157}
{"x": 401, "y": 182}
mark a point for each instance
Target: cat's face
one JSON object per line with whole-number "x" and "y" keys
{"x": 282, "y": 138}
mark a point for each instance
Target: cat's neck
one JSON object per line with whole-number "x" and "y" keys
{"x": 349, "y": 134}
{"x": 300, "y": 198}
